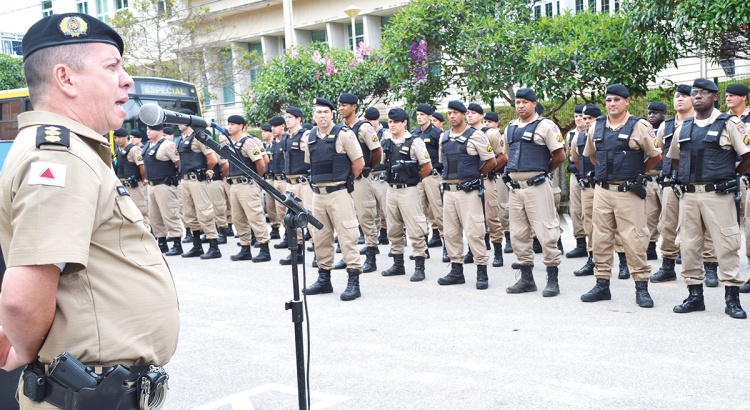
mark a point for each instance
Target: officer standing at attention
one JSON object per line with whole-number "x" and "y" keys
{"x": 168, "y": 133}
{"x": 215, "y": 190}
{"x": 132, "y": 174}
{"x": 161, "y": 161}
{"x": 266, "y": 134}
{"x": 275, "y": 170}
{"x": 136, "y": 138}
{"x": 704, "y": 154}
{"x": 535, "y": 148}
{"x": 429, "y": 187}
{"x": 616, "y": 145}
{"x": 335, "y": 159}
{"x": 407, "y": 162}
{"x": 576, "y": 211}
{"x": 657, "y": 111}
{"x": 377, "y": 174}
{"x": 196, "y": 165}
{"x": 364, "y": 196}
{"x": 466, "y": 156}
{"x": 437, "y": 120}
{"x": 246, "y": 195}
{"x": 93, "y": 282}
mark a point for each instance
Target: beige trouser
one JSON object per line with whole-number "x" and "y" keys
{"x": 653, "y": 209}
{"x": 305, "y": 194}
{"x": 432, "y": 203}
{"x": 404, "y": 210}
{"x": 197, "y": 209}
{"x": 336, "y": 211}
{"x": 164, "y": 211}
{"x": 670, "y": 211}
{"x": 715, "y": 213}
{"x": 622, "y": 213}
{"x": 366, "y": 208}
{"x": 503, "y": 198}
{"x": 247, "y": 213}
{"x": 215, "y": 191}
{"x": 381, "y": 188}
{"x": 587, "y": 203}
{"x": 575, "y": 209}
{"x": 463, "y": 215}
{"x": 275, "y": 210}
{"x": 533, "y": 213}
{"x": 492, "y": 212}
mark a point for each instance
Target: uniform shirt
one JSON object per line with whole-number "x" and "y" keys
{"x": 495, "y": 139}
{"x": 134, "y": 155}
{"x": 253, "y": 149}
{"x": 734, "y": 135}
{"x": 417, "y": 152}
{"x": 367, "y": 136}
{"x": 115, "y": 301}
{"x": 572, "y": 143}
{"x": 545, "y": 133}
{"x": 478, "y": 144}
{"x": 197, "y": 146}
{"x": 167, "y": 151}
{"x": 642, "y": 138}
{"x": 744, "y": 114}
{"x": 345, "y": 144}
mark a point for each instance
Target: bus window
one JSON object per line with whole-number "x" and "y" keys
{"x": 9, "y": 111}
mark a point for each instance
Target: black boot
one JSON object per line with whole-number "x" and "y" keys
{"x": 469, "y": 257}
{"x": 497, "y": 261}
{"x": 624, "y": 271}
{"x": 338, "y": 248}
{"x": 197, "y": 249}
{"x": 651, "y": 252}
{"x": 204, "y": 238}
{"x": 733, "y": 309}
{"x": 516, "y": 265}
{"x": 642, "y": 298}
{"x": 487, "y": 241}
{"x": 482, "y": 279}
{"x": 526, "y": 282}
{"x": 418, "y": 275}
{"x": 264, "y": 255}
{"x": 383, "y": 237}
{"x": 560, "y": 246}
{"x": 361, "y": 240}
{"x": 508, "y": 247}
{"x": 552, "y": 288}
{"x": 427, "y": 251}
{"x": 213, "y": 250}
{"x": 588, "y": 268}
{"x": 288, "y": 260}
{"x": 446, "y": 259}
{"x": 222, "y": 236}
{"x": 455, "y": 276}
{"x": 600, "y": 291}
{"x": 340, "y": 264}
{"x": 370, "y": 265}
{"x": 283, "y": 244}
{"x": 435, "y": 241}
{"x": 275, "y": 233}
{"x": 230, "y": 231}
{"x": 322, "y": 285}
{"x": 311, "y": 248}
{"x": 580, "y": 250}
{"x": 745, "y": 288}
{"x": 352, "y": 287}
{"x": 176, "y": 247}
{"x": 536, "y": 246}
{"x": 694, "y": 301}
{"x": 162, "y": 244}
{"x": 307, "y": 235}
{"x": 679, "y": 258}
{"x": 188, "y": 236}
{"x": 712, "y": 276}
{"x": 398, "y": 266}
{"x": 245, "y": 254}
{"x": 254, "y": 240}
{"x": 666, "y": 273}
{"x": 315, "y": 261}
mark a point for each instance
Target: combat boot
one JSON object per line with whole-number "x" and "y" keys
{"x": 245, "y": 254}
{"x": 588, "y": 268}
{"x": 560, "y": 246}
{"x": 352, "y": 287}
{"x": 213, "y": 250}
{"x": 666, "y": 273}
{"x": 732, "y": 297}
{"x": 469, "y": 258}
{"x": 642, "y": 298}
{"x": 204, "y": 238}
{"x": 508, "y": 248}
{"x": 712, "y": 276}
{"x": 517, "y": 265}
{"x": 624, "y": 272}
{"x": 383, "y": 237}
{"x": 398, "y": 266}
{"x": 487, "y": 241}
{"x": 322, "y": 285}
{"x": 482, "y": 279}
{"x": 427, "y": 251}
{"x": 338, "y": 248}
{"x": 230, "y": 231}
{"x": 536, "y": 245}
{"x": 679, "y": 258}
{"x": 340, "y": 264}
{"x": 600, "y": 291}
{"x": 361, "y": 240}
{"x": 525, "y": 283}
{"x": 446, "y": 258}
{"x": 254, "y": 240}
{"x": 455, "y": 276}
{"x": 651, "y": 252}
{"x": 197, "y": 249}
{"x": 288, "y": 260}
{"x": 283, "y": 244}
{"x": 176, "y": 247}
{"x": 418, "y": 275}
{"x": 497, "y": 261}
{"x": 370, "y": 264}
{"x": 745, "y": 288}
{"x": 163, "y": 244}
{"x": 264, "y": 255}
{"x": 580, "y": 250}
{"x": 188, "y": 236}
{"x": 315, "y": 261}
{"x": 274, "y": 234}
{"x": 694, "y": 301}
{"x": 222, "y": 236}
{"x": 435, "y": 241}
{"x": 552, "y": 288}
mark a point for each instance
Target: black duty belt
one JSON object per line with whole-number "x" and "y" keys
{"x": 297, "y": 179}
{"x": 699, "y": 188}
{"x": 435, "y": 172}
{"x": 583, "y": 182}
{"x": 378, "y": 175}
{"x": 399, "y": 186}
{"x": 328, "y": 189}
{"x": 193, "y": 176}
{"x": 161, "y": 181}
{"x": 239, "y": 180}
{"x": 613, "y": 187}
{"x": 533, "y": 181}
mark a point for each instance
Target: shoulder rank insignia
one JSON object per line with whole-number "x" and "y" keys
{"x": 52, "y": 135}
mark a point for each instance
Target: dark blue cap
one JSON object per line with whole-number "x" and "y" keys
{"x": 683, "y": 89}
{"x": 237, "y": 119}
{"x": 438, "y": 116}
{"x": 592, "y": 110}
{"x": 618, "y": 90}
{"x": 425, "y": 108}
{"x": 372, "y": 113}
{"x": 120, "y": 132}
{"x": 476, "y": 108}
{"x": 657, "y": 106}
{"x": 579, "y": 108}
{"x": 348, "y": 98}
{"x": 526, "y": 93}
{"x": 307, "y": 126}
{"x": 397, "y": 114}
{"x": 492, "y": 116}
{"x": 738, "y": 89}
{"x": 276, "y": 121}
{"x": 705, "y": 84}
{"x": 137, "y": 134}
{"x": 457, "y": 105}
{"x": 294, "y": 111}
{"x": 266, "y": 127}
{"x": 539, "y": 109}
{"x": 384, "y": 123}
{"x": 325, "y": 103}
{"x": 168, "y": 130}
{"x": 68, "y": 28}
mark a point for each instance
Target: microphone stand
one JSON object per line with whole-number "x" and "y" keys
{"x": 297, "y": 217}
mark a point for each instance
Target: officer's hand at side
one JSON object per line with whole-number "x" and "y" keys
{"x": 8, "y": 358}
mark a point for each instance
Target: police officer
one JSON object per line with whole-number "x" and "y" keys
{"x": 429, "y": 188}
{"x": 704, "y": 154}
{"x": 168, "y": 133}
{"x": 274, "y": 218}
{"x": 377, "y": 174}
{"x": 535, "y": 148}
{"x": 92, "y": 282}
{"x": 246, "y": 195}
{"x": 275, "y": 170}
{"x": 132, "y": 174}
{"x": 437, "y": 120}
{"x": 466, "y": 156}
{"x": 616, "y": 145}
{"x": 491, "y": 120}
{"x": 407, "y": 162}
{"x": 656, "y": 113}
{"x": 576, "y": 211}
{"x": 215, "y": 190}
{"x": 335, "y": 159}
{"x": 136, "y": 138}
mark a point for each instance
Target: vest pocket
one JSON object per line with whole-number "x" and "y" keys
{"x": 136, "y": 243}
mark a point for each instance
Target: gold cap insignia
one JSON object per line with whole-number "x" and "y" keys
{"x": 74, "y": 26}
{"x": 52, "y": 134}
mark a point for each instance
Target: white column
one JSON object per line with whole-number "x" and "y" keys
{"x": 288, "y": 24}
{"x": 337, "y": 36}
{"x": 372, "y": 27}
{"x": 303, "y": 37}
{"x": 271, "y": 47}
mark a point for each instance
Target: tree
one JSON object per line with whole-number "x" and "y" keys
{"x": 303, "y": 74}
{"x": 11, "y": 72}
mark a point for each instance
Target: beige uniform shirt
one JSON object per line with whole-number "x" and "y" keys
{"x": 545, "y": 133}
{"x": 367, "y": 136}
{"x": 345, "y": 144}
{"x": 253, "y": 149}
{"x": 478, "y": 144}
{"x": 418, "y": 151}
{"x": 494, "y": 137}
{"x": 167, "y": 151}
{"x": 734, "y": 136}
{"x": 116, "y": 300}
{"x": 134, "y": 155}
{"x": 642, "y": 138}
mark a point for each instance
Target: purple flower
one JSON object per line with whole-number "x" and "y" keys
{"x": 330, "y": 68}
{"x": 317, "y": 73}
{"x": 316, "y": 57}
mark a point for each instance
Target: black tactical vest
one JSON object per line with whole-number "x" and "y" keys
{"x": 523, "y": 154}
{"x": 702, "y": 159}
{"x": 457, "y": 162}
{"x": 431, "y": 138}
{"x": 276, "y": 164}
{"x": 234, "y": 170}
{"x": 584, "y": 163}
{"x": 326, "y": 165}
{"x": 189, "y": 160}
{"x": 366, "y": 153}
{"x": 157, "y": 169}
{"x": 401, "y": 168}
{"x": 294, "y": 157}
{"x": 125, "y": 168}
{"x": 615, "y": 160}
{"x": 666, "y": 164}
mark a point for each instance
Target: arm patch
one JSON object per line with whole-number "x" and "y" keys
{"x": 52, "y": 135}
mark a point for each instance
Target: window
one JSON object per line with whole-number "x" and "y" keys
{"x": 46, "y": 8}
{"x": 617, "y": 5}
{"x": 537, "y": 12}
{"x": 319, "y": 36}
{"x": 605, "y": 6}
{"x": 548, "y": 9}
{"x": 121, "y": 5}
{"x": 259, "y": 50}
{"x": 163, "y": 7}
{"x": 558, "y": 7}
{"x": 592, "y": 6}
{"x": 360, "y": 34}
{"x": 384, "y": 21}
{"x": 11, "y": 44}
{"x": 102, "y": 10}
{"x": 579, "y": 6}
{"x": 83, "y": 6}
{"x": 228, "y": 89}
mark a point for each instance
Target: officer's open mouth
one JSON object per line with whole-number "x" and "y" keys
{"x": 122, "y": 101}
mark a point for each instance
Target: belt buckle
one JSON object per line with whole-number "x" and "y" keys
{"x": 700, "y": 189}
{"x": 192, "y": 176}
{"x": 302, "y": 179}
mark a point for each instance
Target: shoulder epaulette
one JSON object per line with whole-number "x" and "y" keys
{"x": 52, "y": 135}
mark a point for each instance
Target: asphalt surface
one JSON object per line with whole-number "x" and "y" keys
{"x": 406, "y": 345}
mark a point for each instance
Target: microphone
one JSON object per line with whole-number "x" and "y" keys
{"x": 152, "y": 114}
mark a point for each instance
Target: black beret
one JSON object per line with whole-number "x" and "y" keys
{"x": 476, "y": 108}
{"x": 492, "y": 116}
{"x": 294, "y": 111}
{"x": 348, "y": 98}
{"x": 307, "y": 126}
{"x": 618, "y": 90}
{"x": 579, "y": 109}
{"x": 384, "y": 123}
{"x": 592, "y": 110}
{"x": 738, "y": 89}
{"x": 168, "y": 130}
{"x": 397, "y": 114}
{"x": 372, "y": 113}
{"x": 325, "y": 103}
{"x": 276, "y": 121}
{"x": 137, "y": 134}
{"x": 68, "y": 28}
{"x": 683, "y": 89}
{"x": 120, "y": 132}
{"x": 657, "y": 106}
{"x": 457, "y": 105}
{"x": 438, "y": 116}
{"x": 157, "y": 127}
{"x": 526, "y": 94}
{"x": 705, "y": 84}
{"x": 539, "y": 109}
{"x": 266, "y": 127}
{"x": 425, "y": 108}
{"x": 187, "y": 111}
{"x": 237, "y": 119}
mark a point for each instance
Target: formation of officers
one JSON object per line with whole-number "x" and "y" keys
{"x": 470, "y": 182}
